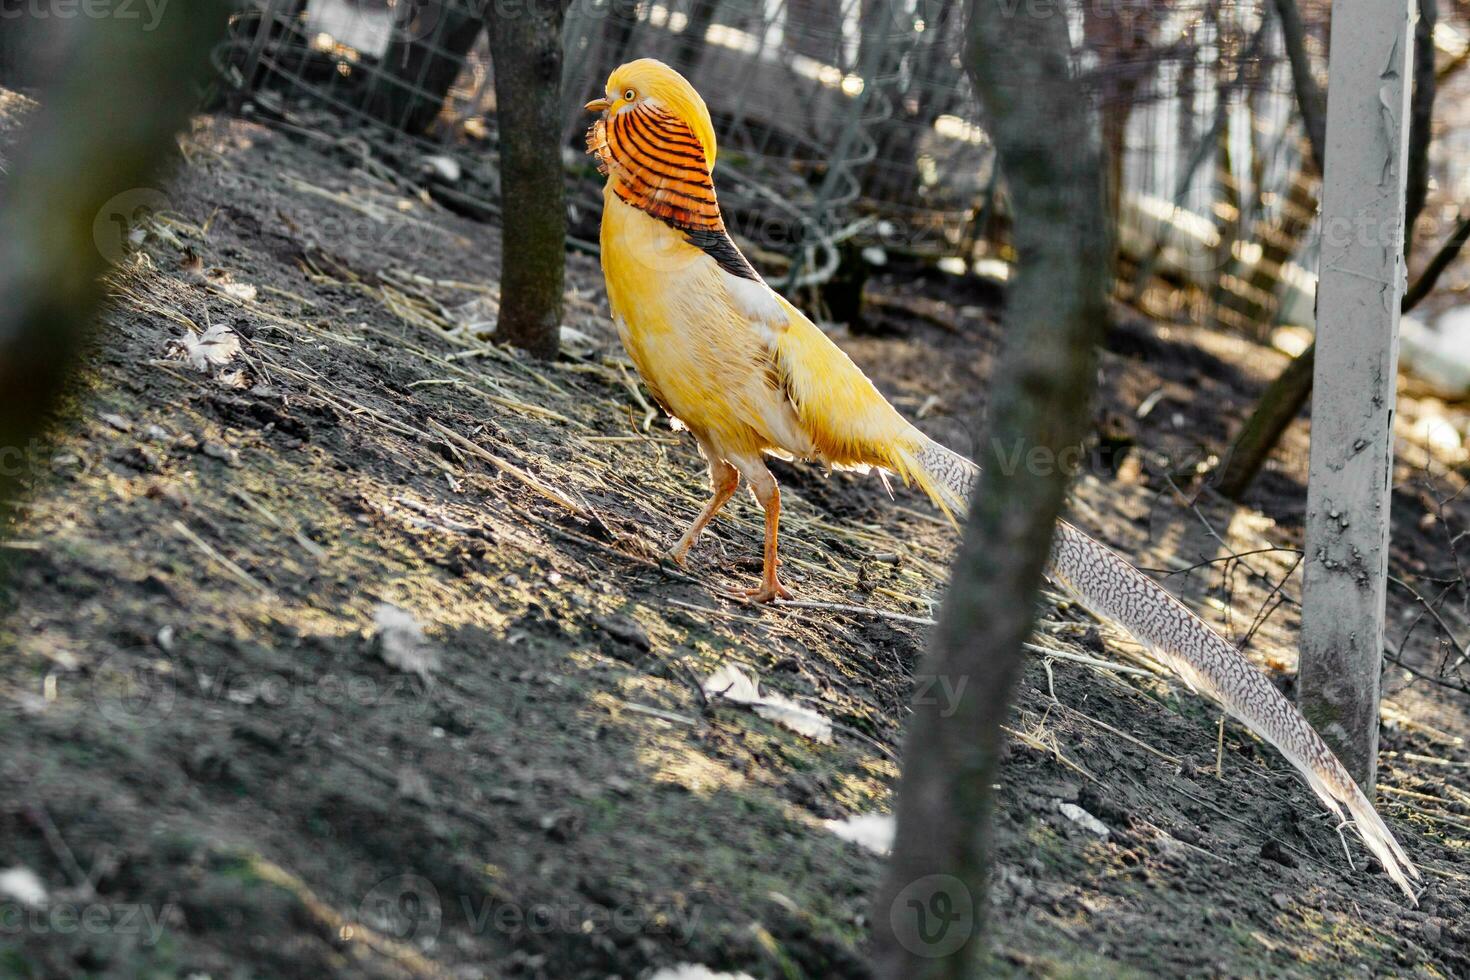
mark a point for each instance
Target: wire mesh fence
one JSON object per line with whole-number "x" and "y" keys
{"x": 848, "y": 126}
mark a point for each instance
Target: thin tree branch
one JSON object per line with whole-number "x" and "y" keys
{"x": 1442, "y": 260}
{"x": 1421, "y": 119}
{"x": 1310, "y": 98}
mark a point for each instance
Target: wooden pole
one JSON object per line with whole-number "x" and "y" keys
{"x": 1360, "y": 288}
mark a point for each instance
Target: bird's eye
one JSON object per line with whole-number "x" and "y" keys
{"x": 630, "y": 95}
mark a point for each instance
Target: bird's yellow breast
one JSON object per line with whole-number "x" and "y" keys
{"x": 700, "y": 355}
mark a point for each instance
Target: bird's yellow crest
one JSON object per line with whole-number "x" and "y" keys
{"x": 650, "y": 81}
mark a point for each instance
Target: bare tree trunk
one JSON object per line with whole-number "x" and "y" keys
{"x": 929, "y": 913}
{"x": 1360, "y": 284}
{"x": 525, "y": 44}
{"x": 428, "y": 50}
{"x": 57, "y": 195}
{"x": 1310, "y": 100}
{"x": 1421, "y": 119}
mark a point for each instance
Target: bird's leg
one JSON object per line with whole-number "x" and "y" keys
{"x": 769, "y": 496}
{"x": 724, "y": 480}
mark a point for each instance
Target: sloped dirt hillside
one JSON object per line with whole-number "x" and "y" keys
{"x": 335, "y": 642}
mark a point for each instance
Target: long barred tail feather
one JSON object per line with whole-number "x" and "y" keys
{"x": 1107, "y": 584}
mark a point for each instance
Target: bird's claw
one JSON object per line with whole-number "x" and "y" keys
{"x": 765, "y": 592}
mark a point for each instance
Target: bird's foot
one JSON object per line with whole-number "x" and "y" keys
{"x": 765, "y": 592}
{"x": 676, "y": 555}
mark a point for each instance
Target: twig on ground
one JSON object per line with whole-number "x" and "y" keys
{"x": 550, "y": 493}
{"x": 1461, "y": 648}
{"x": 244, "y": 577}
{"x": 855, "y": 610}
{"x": 63, "y": 852}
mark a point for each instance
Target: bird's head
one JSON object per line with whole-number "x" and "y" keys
{"x": 650, "y": 83}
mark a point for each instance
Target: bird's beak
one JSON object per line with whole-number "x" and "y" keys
{"x": 598, "y": 105}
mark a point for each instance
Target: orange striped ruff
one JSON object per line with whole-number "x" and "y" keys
{"x": 657, "y": 166}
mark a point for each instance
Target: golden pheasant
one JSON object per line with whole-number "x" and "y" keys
{"x": 749, "y": 375}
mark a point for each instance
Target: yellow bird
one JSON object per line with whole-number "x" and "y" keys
{"x": 745, "y": 371}
{"x": 750, "y": 376}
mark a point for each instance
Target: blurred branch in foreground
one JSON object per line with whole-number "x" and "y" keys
{"x": 929, "y": 915}
{"x": 120, "y": 95}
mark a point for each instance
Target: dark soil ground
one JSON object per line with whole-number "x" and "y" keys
{"x": 213, "y": 769}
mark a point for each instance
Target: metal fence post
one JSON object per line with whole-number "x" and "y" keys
{"x": 1361, "y": 281}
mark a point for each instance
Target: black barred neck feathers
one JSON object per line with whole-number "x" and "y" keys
{"x": 656, "y": 144}
{"x": 657, "y": 165}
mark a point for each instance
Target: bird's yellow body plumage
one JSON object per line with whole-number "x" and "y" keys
{"x": 734, "y": 361}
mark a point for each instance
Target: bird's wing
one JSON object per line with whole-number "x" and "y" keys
{"x": 842, "y": 414}
{"x": 848, "y": 418}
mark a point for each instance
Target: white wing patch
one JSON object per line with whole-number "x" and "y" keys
{"x": 756, "y": 301}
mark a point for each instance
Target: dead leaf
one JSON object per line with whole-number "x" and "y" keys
{"x": 740, "y": 687}
{"x": 402, "y": 644}
{"x": 216, "y": 347}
